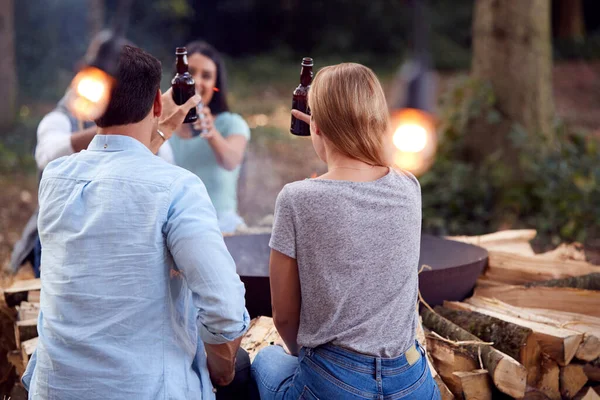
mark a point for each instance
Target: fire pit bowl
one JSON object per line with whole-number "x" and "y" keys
{"x": 455, "y": 268}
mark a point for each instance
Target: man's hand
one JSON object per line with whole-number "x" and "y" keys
{"x": 173, "y": 115}
{"x": 221, "y": 361}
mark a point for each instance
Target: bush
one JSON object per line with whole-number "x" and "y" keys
{"x": 557, "y": 192}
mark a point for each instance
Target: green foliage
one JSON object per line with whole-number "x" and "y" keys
{"x": 557, "y": 191}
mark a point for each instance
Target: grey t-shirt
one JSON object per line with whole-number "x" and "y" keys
{"x": 357, "y": 246}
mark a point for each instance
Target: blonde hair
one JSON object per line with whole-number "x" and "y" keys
{"x": 349, "y": 107}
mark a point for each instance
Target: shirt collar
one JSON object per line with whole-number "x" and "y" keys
{"x": 116, "y": 143}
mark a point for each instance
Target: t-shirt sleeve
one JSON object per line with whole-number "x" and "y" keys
{"x": 283, "y": 236}
{"x": 234, "y": 124}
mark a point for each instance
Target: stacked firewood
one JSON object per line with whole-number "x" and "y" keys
{"x": 531, "y": 330}
{"x": 24, "y": 296}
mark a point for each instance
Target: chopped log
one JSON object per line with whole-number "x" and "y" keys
{"x": 260, "y": 334}
{"x": 512, "y": 241}
{"x": 571, "y": 251}
{"x": 19, "y": 291}
{"x": 448, "y": 359}
{"x": 588, "y": 282}
{"x": 508, "y": 375}
{"x": 549, "y": 380}
{"x": 25, "y": 330}
{"x": 475, "y": 385}
{"x": 587, "y": 394}
{"x": 27, "y": 311}
{"x": 560, "y": 344}
{"x": 572, "y": 380}
{"x": 33, "y": 296}
{"x": 518, "y": 269}
{"x": 588, "y": 350}
{"x": 561, "y": 299}
{"x": 514, "y": 340}
{"x": 592, "y": 372}
{"x": 484, "y": 281}
{"x": 446, "y": 394}
{"x": 27, "y": 349}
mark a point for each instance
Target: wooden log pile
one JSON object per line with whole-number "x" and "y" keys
{"x": 24, "y": 297}
{"x": 531, "y": 330}
{"x": 533, "y": 324}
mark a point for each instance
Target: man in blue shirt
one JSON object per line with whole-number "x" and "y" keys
{"x": 140, "y": 297}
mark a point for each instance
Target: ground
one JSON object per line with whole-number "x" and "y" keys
{"x": 275, "y": 158}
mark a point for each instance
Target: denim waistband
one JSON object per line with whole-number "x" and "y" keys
{"x": 361, "y": 362}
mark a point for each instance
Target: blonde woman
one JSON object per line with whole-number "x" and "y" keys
{"x": 345, "y": 251}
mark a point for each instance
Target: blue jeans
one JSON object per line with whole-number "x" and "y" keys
{"x": 330, "y": 372}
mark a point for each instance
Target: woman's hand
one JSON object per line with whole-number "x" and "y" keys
{"x": 206, "y": 125}
{"x": 301, "y": 116}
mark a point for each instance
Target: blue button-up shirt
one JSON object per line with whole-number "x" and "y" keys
{"x": 135, "y": 277}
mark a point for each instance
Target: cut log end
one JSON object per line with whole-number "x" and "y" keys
{"x": 572, "y": 380}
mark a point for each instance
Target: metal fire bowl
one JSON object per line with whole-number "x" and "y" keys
{"x": 455, "y": 268}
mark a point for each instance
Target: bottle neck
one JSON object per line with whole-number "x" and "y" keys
{"x": 181, "y": 64}
{"x": 306, "y": 76}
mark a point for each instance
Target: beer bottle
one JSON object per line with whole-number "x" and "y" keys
{"x": 300, "y": 98}
{"x": 183, "y": 84}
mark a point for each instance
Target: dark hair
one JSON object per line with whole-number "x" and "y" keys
{"x": 137, "y": 81}
{"x": 218, "y": 103}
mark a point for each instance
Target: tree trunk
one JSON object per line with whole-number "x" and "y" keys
{"x": 508, "y": 375}
{"x": 570, "y": 23}
{"x": 8, "y": 73}
{"x": 589, "y": 282}
{"x": 512, "y": 50}
{"x": 96, "y": 16}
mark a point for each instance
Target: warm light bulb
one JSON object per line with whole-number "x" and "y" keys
{"x": 410, "y": 138}
{"x": 91, "y": 89}
{"x": 90, "y": 93}
{"x": 414, "y": 140}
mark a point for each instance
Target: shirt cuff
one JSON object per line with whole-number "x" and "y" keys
{"x": 209, "y": 337}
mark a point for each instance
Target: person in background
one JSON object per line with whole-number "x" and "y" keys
{"x": 344, "y": 259}
{"x": 213, "y": 148}
{"x": 59, "y": 134}
{"x": 140, "y": 298}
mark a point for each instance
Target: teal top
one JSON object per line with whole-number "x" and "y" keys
{"x": 197, "y": 156}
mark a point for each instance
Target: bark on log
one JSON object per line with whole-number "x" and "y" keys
{"x": 561, "y": 299}
{"x": 514, "y": 340}
{"x": 475, "y": 385}
{"x": 572, "y": 380}
{"x": 561, "y": 344}
{"x": 508, "y": 375}
{"x": 588, "y": 282}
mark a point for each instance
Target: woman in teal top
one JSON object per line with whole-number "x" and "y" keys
{"x": 213, "y": 148}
